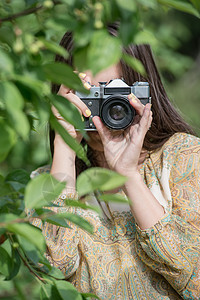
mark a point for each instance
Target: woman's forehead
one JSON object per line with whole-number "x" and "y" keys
{"x": 106, "y": 75}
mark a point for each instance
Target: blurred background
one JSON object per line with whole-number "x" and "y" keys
{"x": 176, "y": 47}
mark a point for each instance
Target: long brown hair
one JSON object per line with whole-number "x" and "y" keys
{"x": 166, "y": 120}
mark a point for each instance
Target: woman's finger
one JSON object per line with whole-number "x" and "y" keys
{"x": 150, "y": 120}
{"x": 70, "y": 128}
{"x": 56, "y": 113}
{"x": 79, "y": 104}
{"x": 140, "y": 129}
{"x": 103, "y": 131}
{"x": 145, "y": 120}
{"x": 73, "y": 98}
{"x": 63, "y": 90}
{"x": 85, "y": 79}
{"x": 136, "y": 103}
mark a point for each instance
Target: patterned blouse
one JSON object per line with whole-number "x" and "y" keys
{"x": 120, "y": 261}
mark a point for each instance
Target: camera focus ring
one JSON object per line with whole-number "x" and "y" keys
{"x": 116, "y": 112}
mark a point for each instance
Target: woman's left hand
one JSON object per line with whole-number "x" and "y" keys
{"x": 122, "y": 148}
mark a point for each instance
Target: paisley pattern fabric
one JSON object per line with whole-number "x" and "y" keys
{"x": 120, "y": 261}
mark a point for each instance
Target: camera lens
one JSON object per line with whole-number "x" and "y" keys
{"x": 116, "y": 112}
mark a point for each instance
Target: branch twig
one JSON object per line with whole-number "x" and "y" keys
{"x": 30, "y": 269}
{"x": 25, "y": 12}
{"x": 26, "y": 263}
{"x": 21, "y": 14}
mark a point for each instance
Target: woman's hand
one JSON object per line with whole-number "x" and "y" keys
{"x": 122, "y": 149}
{"x": 63, "y": 164}
{"x": 82, "y": 107}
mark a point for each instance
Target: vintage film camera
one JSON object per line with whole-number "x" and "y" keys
{"x": 110, "y": 102}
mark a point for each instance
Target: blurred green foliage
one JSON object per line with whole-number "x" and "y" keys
{"x": 173, "y": 35}
{"x": 29, "y": 34}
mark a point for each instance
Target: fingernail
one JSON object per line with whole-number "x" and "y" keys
{"x": 82, "y": 118}
{"x": 82, "y": 75}
{"x": 88, "y": 112}
{"x": 132, "y": 98}
{"x": 87, "y": 85}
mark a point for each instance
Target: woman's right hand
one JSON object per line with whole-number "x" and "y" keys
{"x": 82, "y": 107}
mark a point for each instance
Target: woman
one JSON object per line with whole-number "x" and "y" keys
{"x": 150, "y": 249}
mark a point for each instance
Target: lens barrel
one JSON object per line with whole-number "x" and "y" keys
{"x": 116, "y": 112}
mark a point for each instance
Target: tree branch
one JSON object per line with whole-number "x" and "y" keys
{"x": 25, "y": 12}
{"x": 27, "y": 264}
{"x": 30, "y": 269}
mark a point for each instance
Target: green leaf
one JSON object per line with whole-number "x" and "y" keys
{"x": 98, "y": 179}
{"x": 73, "y": 203}
{"x": 18, "y": 179}
{"x": 19, "y": 175}
{"x": 81, "y": 58}
{"x": 11, "y": 95}
{"x": 134, "y": 63}
{"x": 69, "y": 139}
{"x": 30, "y": 233}
{"x": 63, "y": 74}
{"x": 78, "y": 220}
{"x": 6, "y": 64}
{"x": 68, "y": 2}
{"x": 36, "y": 257}
{"x": 89, "y": 295}
{"x": 54, "y": 272}
{"x": 55, "y": 293}
{"x": 148, "y": 3}
{"x": 67, "y": 291}
{"x": 14, "y": 104}
{"x": 42, "y": 211}
{"x": 7, "y": 139}
{"x": 114, "y": 198}
{"x": 16, "y": 263}
{"x": 104, "y": 51}
{"x": 180, "y": 5}
{"x": 7, "y": 36}
{"x": 129, "y": 29}
{"x": 45, "y": 291}
{"x": 69, "y": 111}
{"x": 42, "y": 190}
{"x": 5, "y": 262}
{"x": 126, "y": 9}
{"x": 55, "y": 48}
{"x": 49, "y": 292}
{"x": 83, "y": 33}
{"x": 30, "y": 250}
{"x": 196, "y": 4}
{"x": 127, "y": 5}
{"x": 58, "y": 220}
{"x": 32, "y": 84}
{"x": 58, "y": 24}
{"x": 146, "y": 36}
{"x": 7, "y": 218}
{"x": 43, "y": 109}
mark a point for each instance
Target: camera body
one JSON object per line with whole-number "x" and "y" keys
{"x": 110, "y": 102}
